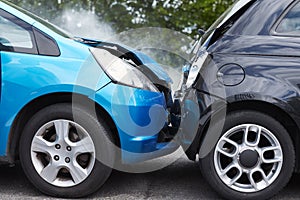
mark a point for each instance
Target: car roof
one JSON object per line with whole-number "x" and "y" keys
{"x": 260, "y": 17}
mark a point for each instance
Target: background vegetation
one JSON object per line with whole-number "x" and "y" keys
{"x": 128, "y": 21}
{"x": 186, "y": 16}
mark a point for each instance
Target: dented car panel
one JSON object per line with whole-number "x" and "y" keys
{"x": 246, "y": 85}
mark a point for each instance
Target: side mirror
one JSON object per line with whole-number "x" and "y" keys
{"x": 3, "y": 43}
{"x": 201, "y": 32}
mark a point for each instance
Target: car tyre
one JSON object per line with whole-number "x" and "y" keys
{"x": 66, "y": 151}
{"x": 266, "y": 161}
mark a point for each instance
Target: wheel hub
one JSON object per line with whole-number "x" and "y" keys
{"x": 248, "y": 158}
{"x": 63, "y": 153}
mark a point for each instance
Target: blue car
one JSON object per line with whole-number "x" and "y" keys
{"x": 71, "y": 109}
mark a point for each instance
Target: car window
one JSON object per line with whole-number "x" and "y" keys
{"x": 16, "y": 35}
{"x": 13, "y": 35}
{"x": 290, "y": 24}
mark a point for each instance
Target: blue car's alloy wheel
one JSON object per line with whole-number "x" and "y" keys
{"x": 253, "y": 158}
{"x": 63, "y": 153}
{"x": 65, "y": 150}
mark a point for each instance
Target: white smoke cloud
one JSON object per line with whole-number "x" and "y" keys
{"x": 159, "y": 43}
{"x": 84, "y": 24}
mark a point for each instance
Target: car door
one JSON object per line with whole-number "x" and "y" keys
{"x": 17, "y": 45}
{"x": 286, "y": 31}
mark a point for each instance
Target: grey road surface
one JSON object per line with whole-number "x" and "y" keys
{"x": 181, "y": 180}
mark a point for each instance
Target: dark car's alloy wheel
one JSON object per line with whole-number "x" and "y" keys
{"x": 253, "y": 158}
{"x": 61, "y": 149}
{"x": 248, "y": 158}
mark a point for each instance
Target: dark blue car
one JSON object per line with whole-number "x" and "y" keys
{"x": 245, "y": 79}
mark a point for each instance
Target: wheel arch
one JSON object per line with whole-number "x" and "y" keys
{"x": 278, "y": 113}
{"x": 46, "y": 100}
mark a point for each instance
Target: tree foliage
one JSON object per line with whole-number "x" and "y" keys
{"x": 186, "y": 16}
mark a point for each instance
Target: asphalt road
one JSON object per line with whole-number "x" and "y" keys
{"x": 181, "y": 180}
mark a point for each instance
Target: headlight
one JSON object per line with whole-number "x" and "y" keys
{"x": 121, "y": 71}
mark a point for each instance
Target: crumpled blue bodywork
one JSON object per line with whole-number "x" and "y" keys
{"x": 138, "y": 114}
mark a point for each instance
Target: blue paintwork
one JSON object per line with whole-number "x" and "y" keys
{"x": 139, "y": 115}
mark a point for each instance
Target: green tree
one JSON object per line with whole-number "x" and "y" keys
{"x": 186, "y": 16}
{"x": 125, "y": 16}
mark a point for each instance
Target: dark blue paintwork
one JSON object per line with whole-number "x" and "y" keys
{"x": 271, "y": 65}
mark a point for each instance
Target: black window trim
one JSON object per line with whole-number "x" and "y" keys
{"x": 273, "y": 31}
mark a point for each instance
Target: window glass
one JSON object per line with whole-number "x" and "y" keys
{"x": 42, "y": 21}
{"x": 290, "y": 24}
{"x": 13, "y": 35}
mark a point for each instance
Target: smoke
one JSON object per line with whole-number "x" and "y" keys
{"x": 84, "y": 24}
{"x": 163, "y": 45}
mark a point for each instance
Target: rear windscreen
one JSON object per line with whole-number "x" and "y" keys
{"x": 226, "y": 20}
